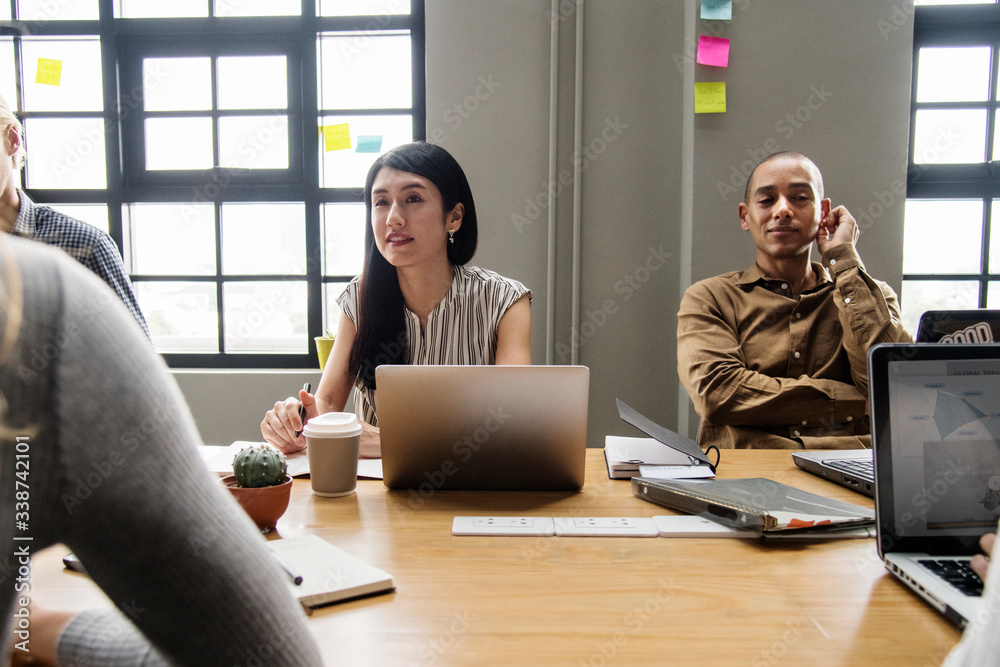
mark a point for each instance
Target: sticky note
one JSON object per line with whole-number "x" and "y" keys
{"x": 336, "y": 137}
{"x": 710, "y": 97}
{"x": 369, "y": 143}
{"x": 717, "y": 10}
{"x": 49, "y": 71}
{"x": 713, "y": 51}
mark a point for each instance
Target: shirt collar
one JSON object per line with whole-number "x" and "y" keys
{"x": 25, "y": 224}
{"x": 754, "y": 276}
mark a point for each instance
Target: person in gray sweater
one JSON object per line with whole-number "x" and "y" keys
{"x": 98, "y": 453}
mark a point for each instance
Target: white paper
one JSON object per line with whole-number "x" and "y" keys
{"x": 676, "y": 472}
{"x": 220, "y": 460}
{"x": 622, "y": 449}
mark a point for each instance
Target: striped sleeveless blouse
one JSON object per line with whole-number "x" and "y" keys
{"x": 461, "y": 330}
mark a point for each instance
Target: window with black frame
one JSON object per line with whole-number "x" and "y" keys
{"x": 951, "y": 249}
{"x": 223, "y": 145}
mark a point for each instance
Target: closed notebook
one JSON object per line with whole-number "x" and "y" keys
{"x": 758, "y": 504}
{"x": 329, "y": 574}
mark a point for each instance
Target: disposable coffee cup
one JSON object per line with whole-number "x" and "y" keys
{"x": 332, "y": 446}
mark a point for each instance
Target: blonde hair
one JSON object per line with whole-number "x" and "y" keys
{"x": 7, "y": 121}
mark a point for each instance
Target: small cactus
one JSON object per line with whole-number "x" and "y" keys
{"x": 259, "y": 465}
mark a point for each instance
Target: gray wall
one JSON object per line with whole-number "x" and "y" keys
{"x": 829, "y": 79}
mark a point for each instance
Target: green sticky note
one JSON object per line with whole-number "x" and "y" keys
{"x": 369, "y": 143}
{"x": 49, "y": 71}
{"x": 336, "y": 137}
{"x": 710, "y": 97}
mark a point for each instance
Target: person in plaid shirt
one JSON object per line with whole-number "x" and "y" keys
{"x": 22, "y": 217}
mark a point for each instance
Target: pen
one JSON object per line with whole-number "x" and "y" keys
{"x": 289, "y": 570}
{"x": 302, "y": 408}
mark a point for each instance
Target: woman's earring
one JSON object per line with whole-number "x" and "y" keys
{"x": 451, "y": 236}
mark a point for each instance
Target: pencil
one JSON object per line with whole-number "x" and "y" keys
{"x": 289, "y": 570}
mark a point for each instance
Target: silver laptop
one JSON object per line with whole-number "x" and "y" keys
{"x": 936, "y": 438}
{"x": 855, "y": 468}
{"x": 483, "y": 427}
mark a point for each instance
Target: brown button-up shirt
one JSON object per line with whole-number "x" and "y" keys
{"x": 766, "y": 368}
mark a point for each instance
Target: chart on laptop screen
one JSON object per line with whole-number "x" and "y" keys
{"x": 945, "y": 420}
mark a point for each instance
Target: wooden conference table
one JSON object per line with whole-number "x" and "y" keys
{"x": 590, "y": 601}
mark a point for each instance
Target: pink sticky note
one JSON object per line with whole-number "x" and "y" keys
{"x": 713, "y": 51}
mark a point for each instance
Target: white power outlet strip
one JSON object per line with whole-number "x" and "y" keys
{"x": 606, "y": 527}
{"x": 502, "y": 525}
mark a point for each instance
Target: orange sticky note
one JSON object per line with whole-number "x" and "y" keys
{"x": 710, "y": 97}
{"x": 336, "y": 137}
{"x": 49, "y": 71}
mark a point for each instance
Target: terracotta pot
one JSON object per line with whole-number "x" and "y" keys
{"x": 264, "y": 504}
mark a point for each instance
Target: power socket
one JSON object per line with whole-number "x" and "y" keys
{"x": 502, "y": 525}
{"x": 606, "y": 527}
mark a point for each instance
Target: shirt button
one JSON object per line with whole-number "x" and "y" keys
{"x": 850, "y": 418}
{"x": 798, "y": 316}
{"x": 847, "y": 299}
{"x": 832, "y": 262}
{"x": 805, "y": 423}
{"x": 784, "y": 285}
{"x": 797, "y": 355}
{"x": 796, "y": 433}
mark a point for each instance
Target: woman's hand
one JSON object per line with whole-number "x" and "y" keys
{"x": 282, "y": 425}
{"x": 370, "y": 444}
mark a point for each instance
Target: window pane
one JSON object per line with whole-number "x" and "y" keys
{"x": 362, "y": 7}
{"x": 258, "y": 8}
{"x": 261, "y": 239}
{"x": 919, "y": 296}
{"x": 5, "y": 11}
{"x": 253, "y": 82}
{"x": 182, "y": 317}
{"x": 331, "y": 311}
{"x": 93, "y": 214}
{"x": 953, "y": 74}
{"x": 347, "y": 167}
{"x": 926, "y": 250}
{"x": 154, "y": 9}
{"x": 8, "y": 72}
{"x": 954, "y": 2}
{"x": 266, "y": 317}
{"x": 993, "y": 295}
{"x": 62, "y": 74}
{"x": 343, "y": 239}
{"x": 995, "y": 237}
{"x": 61, "y": 10}
{"x": 949, "y": 136}
{"x": 253, "y": 142}
{"x": 996, "y": 139}
{"x": 179, "y": 143}
{"x": 177, "y": 84}
{"x": 172, "y": 239}
{"x": 65, "y": 153}
{"x": 365, "y": 71}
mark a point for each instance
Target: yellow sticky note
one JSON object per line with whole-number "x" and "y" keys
{"x": 336, "y": 137}
{"x": 49, "y": 71}
{"x": 710, "y": 97}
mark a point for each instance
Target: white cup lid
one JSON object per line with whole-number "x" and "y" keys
{"x": 332, "y": 424}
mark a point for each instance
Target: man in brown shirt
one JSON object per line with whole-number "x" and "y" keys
{"x": 775, "y": 356}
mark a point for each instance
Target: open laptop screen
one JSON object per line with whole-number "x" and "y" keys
{"x": 936, "y": 429}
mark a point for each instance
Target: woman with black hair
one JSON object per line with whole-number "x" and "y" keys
{"x": 415, "y": 302}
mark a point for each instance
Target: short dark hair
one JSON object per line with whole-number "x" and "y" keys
{"x": 775, "y": 156}
{"x": 381, "y": 317}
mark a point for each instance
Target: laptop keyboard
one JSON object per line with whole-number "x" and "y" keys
{"x": 864, "y": 468}
{"x": 957, "y": 573}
